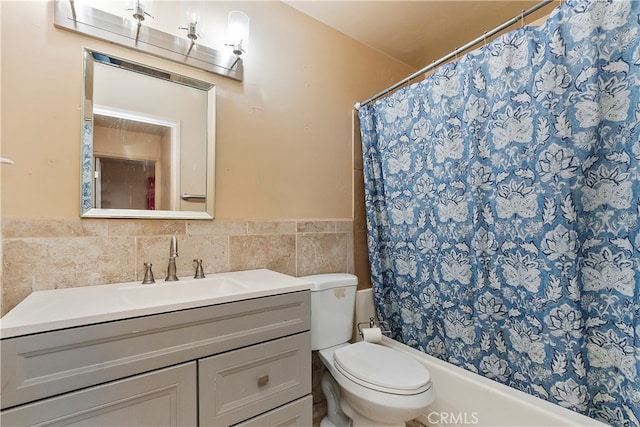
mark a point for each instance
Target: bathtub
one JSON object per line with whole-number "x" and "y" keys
{"x": 464, "y": 398}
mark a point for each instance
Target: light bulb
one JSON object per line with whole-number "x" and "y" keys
{"x": 193, "y": 25}
{"x": 193, "y": 15}
{"x": 238, "y": 29}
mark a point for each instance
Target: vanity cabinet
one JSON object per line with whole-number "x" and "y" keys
{"x": 245, "y": 362}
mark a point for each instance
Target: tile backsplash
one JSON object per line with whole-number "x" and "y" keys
{"x": 41, "y": 254}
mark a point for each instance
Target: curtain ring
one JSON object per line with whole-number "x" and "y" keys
{"x": 522, "y": 19}
{"x": 484, "y": 37}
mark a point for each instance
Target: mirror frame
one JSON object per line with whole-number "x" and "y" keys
{"x": 87, "y": 181}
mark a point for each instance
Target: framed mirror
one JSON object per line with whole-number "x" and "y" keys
{"x": 148, "y": 142}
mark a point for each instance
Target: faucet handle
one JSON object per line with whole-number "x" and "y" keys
{"x": 199, "y": 271}
{"x": 148, "y": 274}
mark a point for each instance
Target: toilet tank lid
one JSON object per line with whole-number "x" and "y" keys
{"x": 320, "y": 282}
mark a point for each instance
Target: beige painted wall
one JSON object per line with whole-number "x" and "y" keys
{"x": 284, "y": 151}
{"x": 1, "y": 167}
{"x": 283, "y": 136}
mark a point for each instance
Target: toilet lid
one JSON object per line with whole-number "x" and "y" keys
{"x": 382, "y": 368}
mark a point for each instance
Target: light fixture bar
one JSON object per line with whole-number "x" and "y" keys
{"x": 105, "y": 26}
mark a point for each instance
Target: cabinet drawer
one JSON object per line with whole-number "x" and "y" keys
{"x": 298, "y": 413}
{"x": 161, "y": 398}
{"x": 50, "y": 363}
{"x": 244, "y": 383}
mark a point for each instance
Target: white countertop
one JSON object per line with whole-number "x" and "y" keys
{"x": 49, "y": 310}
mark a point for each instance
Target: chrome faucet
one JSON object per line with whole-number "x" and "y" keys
{"x": 173, "y": 254}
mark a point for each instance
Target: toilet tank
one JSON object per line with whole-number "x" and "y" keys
{"x": 333, "y": 298}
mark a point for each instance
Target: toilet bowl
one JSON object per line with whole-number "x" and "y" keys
{"x": 366, "y": 384}
{"x": 378, "y": 385}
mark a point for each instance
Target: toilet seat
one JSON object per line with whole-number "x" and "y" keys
{"x": 381, "y": 368}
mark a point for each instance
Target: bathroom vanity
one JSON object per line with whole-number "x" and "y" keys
{"x": 231, "y": 349}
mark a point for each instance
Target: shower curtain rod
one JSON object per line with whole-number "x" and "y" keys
{"x": 455, "y": 52}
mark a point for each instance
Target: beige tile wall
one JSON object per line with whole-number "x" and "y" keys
{"x": 41, "y": 254}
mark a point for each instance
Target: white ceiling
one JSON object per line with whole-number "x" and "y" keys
{"x": 416, "y": 32}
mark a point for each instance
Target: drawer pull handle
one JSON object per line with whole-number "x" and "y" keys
{"x": 263, "y": 380}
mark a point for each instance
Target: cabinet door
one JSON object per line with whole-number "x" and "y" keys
{"x": 241, "y": 384}
{"x": 166, "y": 397}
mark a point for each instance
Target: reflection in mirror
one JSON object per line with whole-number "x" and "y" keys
{"x": 148, "y": 142}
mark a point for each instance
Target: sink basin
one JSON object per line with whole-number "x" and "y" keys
{"x": 180, "y": 291}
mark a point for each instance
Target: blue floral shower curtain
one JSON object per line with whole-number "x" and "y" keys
{"x": 503, "y": 200}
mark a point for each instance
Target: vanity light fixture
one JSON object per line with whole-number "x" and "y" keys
{"x": 81, "y": 18}
{"x": 238, "y": 32}
{"x": 193, "y": 17}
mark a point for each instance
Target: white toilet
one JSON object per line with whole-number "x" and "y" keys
{"x": 365, "y": 384}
